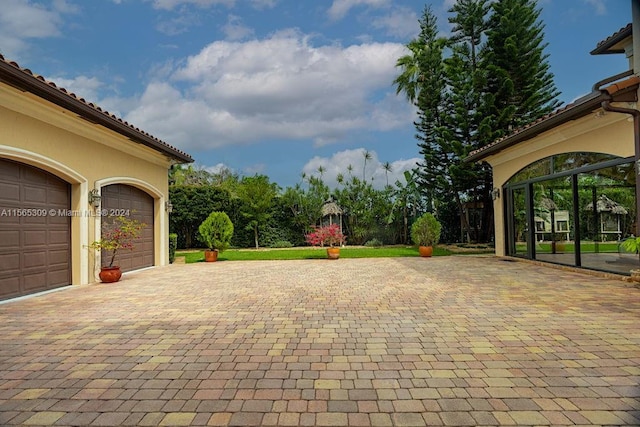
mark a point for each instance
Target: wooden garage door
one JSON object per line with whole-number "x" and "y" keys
{"x": 125, "y": 199}
{"x": 35, "y": 236}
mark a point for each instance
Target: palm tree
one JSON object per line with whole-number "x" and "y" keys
{"x": 350, "y": 169}
{"x": 387, "y": 168}
{"x": 367, "y": 156}
{"x": 409, "y": 78}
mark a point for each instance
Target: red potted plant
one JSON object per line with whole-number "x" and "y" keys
{"x": 330, "y": 235}
{"x": 118, "y": 233}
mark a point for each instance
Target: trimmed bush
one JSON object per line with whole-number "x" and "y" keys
{"x": 173, "y": 244}
{"x": 281, "y": 244}
{"x": 425, "y": 231}
{"x": 373, "y": 243}
{"x": 216, "y": 231}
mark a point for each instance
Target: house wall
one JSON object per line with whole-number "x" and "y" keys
{"x": 610, "y": 133}
{"x": 88, "y": 156}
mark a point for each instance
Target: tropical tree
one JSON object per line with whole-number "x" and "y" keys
{"x": 475, "y": 93}
{"x": 256, "y": 194}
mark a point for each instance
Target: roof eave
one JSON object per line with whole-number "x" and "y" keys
{"x": 29, "y": 83}
{"x": 605, "y": 46}
{"x": 583, "y": 107}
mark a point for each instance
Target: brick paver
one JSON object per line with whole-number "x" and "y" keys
{"x": 367, "y": 342}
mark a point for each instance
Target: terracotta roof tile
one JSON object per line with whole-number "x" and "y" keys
{"x": 603, "y": 46}
{"x": 103, "y": 115}
{"x": 570, "y": 110}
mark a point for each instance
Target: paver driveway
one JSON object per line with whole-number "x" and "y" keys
{"x": 453, "y": 341}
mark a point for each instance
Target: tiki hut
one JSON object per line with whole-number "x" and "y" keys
{"x": 331, "y": 213}
{"x": 609, "y": 213}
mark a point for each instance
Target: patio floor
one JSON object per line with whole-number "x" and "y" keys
{"x": 354, "y": 342}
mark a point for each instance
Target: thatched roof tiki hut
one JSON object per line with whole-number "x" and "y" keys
{"x": 609, "y": 213}
{"x": 331, "y": 214}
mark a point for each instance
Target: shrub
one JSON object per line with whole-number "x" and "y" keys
{"x": 326, "y": 235}
{"x": 216, "y": 231}
{"x": 373, "y": 243}
{"x": 425, "y": 231}
{"x": 173, "y": 244}
{"x": 282, "y": 244}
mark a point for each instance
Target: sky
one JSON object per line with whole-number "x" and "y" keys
{"x": 274, "y": 87}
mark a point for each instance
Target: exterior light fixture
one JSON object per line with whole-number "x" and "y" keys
{"x": 94, "y": 198}
{"x": 495, "y": 193}
{"x": 168, "y": 206}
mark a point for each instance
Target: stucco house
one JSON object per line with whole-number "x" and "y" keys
{"x": 573, "y": 157}
{"x": 64, "y": 163}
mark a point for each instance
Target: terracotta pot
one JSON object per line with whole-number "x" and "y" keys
{"x": 333, "y": 253}
{"x": 110, "y": 274}
{"x": 425, "y": 251}
{"x": 210, "y": 256}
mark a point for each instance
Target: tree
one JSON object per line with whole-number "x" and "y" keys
{"x": 256, "y": 194}
{"x": 191, "y": 205}
{"x": 387, "y": 168}
{"x": 468, "y": 98}
{"x": 367, "y": 156}
{"x": 519, "y": 82}
{"x": 305, "y": 206}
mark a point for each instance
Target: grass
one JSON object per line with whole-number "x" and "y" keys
{"x": 309, "y": 253}
{"x": 569, "y": 247}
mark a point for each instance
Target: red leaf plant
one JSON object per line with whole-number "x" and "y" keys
{"x": 326, "y": 235}
{"x": 118, "y": 233}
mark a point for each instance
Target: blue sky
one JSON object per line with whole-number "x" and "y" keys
{"x": 278, "y": 87}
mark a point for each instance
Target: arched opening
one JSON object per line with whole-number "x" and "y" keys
{"x": 555, "y": 211}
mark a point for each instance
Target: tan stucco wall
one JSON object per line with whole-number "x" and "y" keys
{"x": 611, "y": 133}
{"x": 88, "y": 156}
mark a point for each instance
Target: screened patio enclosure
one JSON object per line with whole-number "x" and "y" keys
{"x": 573, "y": 209}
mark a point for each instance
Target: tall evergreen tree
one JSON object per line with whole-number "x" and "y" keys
{"x": 494, "y": 78}
{"x": 520, "y": 86}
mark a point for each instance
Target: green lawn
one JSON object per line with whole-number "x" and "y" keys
{"x": 569, "y": 247}
{"x": 309, "y": 253}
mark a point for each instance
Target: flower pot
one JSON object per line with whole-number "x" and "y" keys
{"x": 110, "y": 274}
{"x": 333, "y": 253}
{"x": 211, "y": 255}
{"x": 425, "y": 251}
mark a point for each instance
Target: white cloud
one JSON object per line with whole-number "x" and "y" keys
{"x": 172, "y": 4}
{"x": 339, "y": 163}
{"x": 281, "y": 88}
{"x": 22, "y": 20}
{"x": 340, "y": 8}
{"x": 598, "y": 5}
{"x": 401, "y": 22}
{"x": 82, "y": 86}
{"x": 234, "y": 29}
{"x": 264, "y": 4}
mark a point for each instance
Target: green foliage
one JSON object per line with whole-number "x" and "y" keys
{"x": 173, "y": 244}
{"x": 488, "y": 77}
{"x": 191, "y": 205}
{"x": 373, "y": 243}
{"x": 256, "y": 194}
{"x": 216, "y": 231}
{"x": 281, "y": 244}
{"x": 425, "y": 231}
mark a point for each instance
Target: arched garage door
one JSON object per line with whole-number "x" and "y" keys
{"x": 131, "y": 201}
{"x": 35, "y": 235}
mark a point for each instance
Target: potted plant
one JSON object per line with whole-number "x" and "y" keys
{"x": 632, "y": 244}
{"x": 425, "y": 232}
{"x": 216, "y": 232}
{"x": 117, "y": 233}
{"x": 327, "y": 235}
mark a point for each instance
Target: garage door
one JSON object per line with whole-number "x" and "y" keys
{"x": 35, "y": 239}
{"x": 131, "y": 201}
